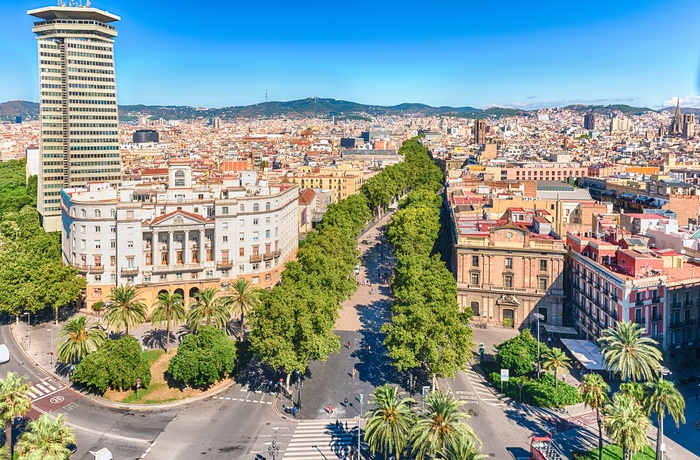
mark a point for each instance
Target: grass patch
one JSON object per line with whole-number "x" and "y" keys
{"x": 151, "y": 355}
{"x": 613, "y": 452}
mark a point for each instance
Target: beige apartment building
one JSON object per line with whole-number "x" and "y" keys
{"x": 345, "y": 182}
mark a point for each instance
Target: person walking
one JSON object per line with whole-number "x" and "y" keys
{"x": 349, "y": 345}
{"x": 330, "y": 408}
{"x": 346, "y": 402}
{"x": 353, "y": 372}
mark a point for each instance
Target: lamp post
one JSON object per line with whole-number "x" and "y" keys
{"x": 661, "y": 446}
{"x": 538, "y": 317}
{"x": 51, "y": 350}
{"x": 359, "y": 426}
{"x": 29, "y": 330}
{"x": 273, "y": 450}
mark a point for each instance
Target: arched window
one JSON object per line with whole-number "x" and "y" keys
{"x": 113, "y": 213}
{"x": 267, "y": 206}
{"x": 83, "y": 213}
{"x": 98, "y": 213}
{"x": 179, "y": 178}
{"x": 241, "y": 208}
{"x": 72, "y": 212}
{"x": 256, "y": 207}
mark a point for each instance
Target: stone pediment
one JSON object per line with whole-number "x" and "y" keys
{"x": 507, "y": 299}
{"x": 178, "y": 218}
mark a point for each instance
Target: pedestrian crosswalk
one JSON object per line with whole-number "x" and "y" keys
{"x": 482, "y": 389}
{"x": 44, "y": 388}
{"x": 323, "y": 440}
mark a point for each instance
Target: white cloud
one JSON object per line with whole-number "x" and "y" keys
{"x": 692, "y": 100}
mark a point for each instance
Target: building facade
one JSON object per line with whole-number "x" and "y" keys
{"x": 507, "y": 272}
{"x": 78, "y": 103}
{"x": 180, "y": 238}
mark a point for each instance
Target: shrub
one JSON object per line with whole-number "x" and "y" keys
{"x": 518, "y": 354}
{"x": 116, "y": 365}
{"x": 203, "y": 358}
{"x": 98, "y": 306}
{"x": 540, "y": 392}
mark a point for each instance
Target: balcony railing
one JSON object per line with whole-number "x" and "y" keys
{"x": 614, "y": 297}
{"x": 676, "y": 304}
{"x": 675, "y": 325}
{"x": 690, "y": 322}
{"x": 256, "y": 258}
{"x": 639, "y": 302}
{"x": 641, "y": 320}
{"x": 224, "y": 265}
{"x": 83, "y": 269}
{"x": 130, "y": 271}
{"x": 657, "y": 318}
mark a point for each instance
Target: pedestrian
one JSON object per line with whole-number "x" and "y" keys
{"x": 353, "y": 372}
{"x": 346, "y": 402}
{"x": 294, "y": 411}
{"x": 349, "y": 345}
{"x": 330, "y": 408}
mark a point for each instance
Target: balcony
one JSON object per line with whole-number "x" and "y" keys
{"x": 639, "y": 302}
{"x": 276, "y": 253}
{"x": 675, "y": 324}
{"x": 690, "y": 322}
{"x": 255, "y": 258}
{"x": 657, "y": 318}
{"x": 130, "y": 271}
{"x": 85, "y": 269}
{"x": 676, "y": 304}
{"x": 688, "y": 303}
{"x": 655, "y": 300}
{"x": 641, "y": 320}
{"x": 267, "y": 256}
{"x": 176, "y": 268}
{"x": 224, "y": 265}
{"x": 614, "y": 297}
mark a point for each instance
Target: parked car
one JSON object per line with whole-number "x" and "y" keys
{"x": 4, "y": 354}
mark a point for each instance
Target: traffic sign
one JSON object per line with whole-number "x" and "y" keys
{"x": 504, "y": 375}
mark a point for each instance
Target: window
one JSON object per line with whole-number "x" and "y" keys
{"x": 543, "y": 265}
{"x": 113, "y": 244}
{"x": 130, "y": 214}
{"x": 267, "y": 206}
{"x": 241, "y": 208}
{"x": 241, "y": 222}
{"x": 112, "y": 260}
{"x": 225, "y": 238}
{"x": 129, "y": 230}
{"x": 255, "y": 221}
{"x": 82, "y": 244}
{"x": 256, "y": 207}
{"x": 267, "y": 277}
{"x": 256, "y": 280}
{"x": 163, "y": 277}
{"x": 97, "y": 229}
{"x": 241, "y": 268}
{"x": 475, "y": 261}
{"x": 543, "y": 284}
{"x": 98, "y": 244}
{"x": 179, "y": 178}
{"x": 83, "y": 213}
{"x": 178, "y": 276}
{"x": 98, "y": 213}
{"x": 255, "y": 236}
{"x": 98, "y": 278}
{"x": 82, "y": 229}
{"x": 112, "y": 229}
{"x": 256, "y": 266}
{"x": 267, "y": 220}
{"x": 268, "y": 264}
{"x": 130, "y": 244}
{"x": 241, "y": 236}
{"x": 267, "y": 234}
{"x": 224, "y": 210}
{"x": 97, "y": 292}
{"x": 475, "y": 308}
{"x": 508, "y": 281}
{"x": 147, "y": 277}
{"x": 509, "y": 263}
{"x": 475, "y": 279}
{"x": 112, "y": 213}
{"x": 225, "y": 225}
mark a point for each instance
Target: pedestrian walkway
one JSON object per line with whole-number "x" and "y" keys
{"x": 482, "y": 389}
{"x": 45, "y": 388}
{"x": 322, "y": 439}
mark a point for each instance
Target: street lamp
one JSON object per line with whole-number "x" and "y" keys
{"x": 273, "y": 450}
{"x": 662, "y": 447}
{"x": 359, "y": 422}
{"x": 538, "y": 317}
{"x": 51, "y": 350}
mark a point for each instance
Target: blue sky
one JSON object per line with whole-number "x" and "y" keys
{"x": 457, "y": 53}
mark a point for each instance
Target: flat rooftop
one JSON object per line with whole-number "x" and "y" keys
{"x": 49, "y": 13}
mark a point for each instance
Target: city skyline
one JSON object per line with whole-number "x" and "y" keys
{"x": 380, "y": 54}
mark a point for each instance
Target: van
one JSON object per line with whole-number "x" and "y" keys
{"x": 4, "y": 354}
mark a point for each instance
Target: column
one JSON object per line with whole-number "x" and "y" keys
{"x": 171, "y": 249}
{"x": 202, "y": 255}
{"x": 155, "y": 254}
{"x": 185, "y": 247}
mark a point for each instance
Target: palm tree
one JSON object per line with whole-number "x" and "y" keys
{"x": 555, "y": 360}
{"x": 169, "y": 308}
{"x": 594, "y": 393}
{"x": 634, "y": 390}
{"x": 242, "y": 299}
{"x": 439, "y": 427}
{"x": 464, "y": 448}
{"x": 626, "y": 424}
{"x": 627, "y": 352}
{"x": 389, "y": 422}
{"x": 46, "y": 439}
{"x": 662, "y": 396}
{"x": 208, "y": 309}
{"x": 124, "y": 309}
{"x": 77, "y": 339}
{"x": 14, "y": 402}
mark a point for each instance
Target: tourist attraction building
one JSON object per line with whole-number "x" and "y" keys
{"x": 179, "y": 237}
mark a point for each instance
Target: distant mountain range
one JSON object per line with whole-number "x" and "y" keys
{"x": 312, "y": 107}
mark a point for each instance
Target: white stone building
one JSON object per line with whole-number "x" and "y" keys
{"x": 180, "y": 237}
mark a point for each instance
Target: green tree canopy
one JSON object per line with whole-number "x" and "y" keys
{"x": 204, "y": 358}
{"x": 627, "y": 352}
{"x": 46, "y": 438}
{"x": 78, "y": 338}
{"x": 518, "y": 354}
{"x": 116, "y": 365}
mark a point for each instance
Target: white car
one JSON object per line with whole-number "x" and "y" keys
{"x": 4, "y": 354}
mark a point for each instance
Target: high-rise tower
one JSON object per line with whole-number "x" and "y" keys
{"x": 479, "y": 131}
{"x": 79, "y": 120}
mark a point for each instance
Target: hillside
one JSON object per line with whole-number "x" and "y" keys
{"x": 303, "y": 108}
{"x": 605, "y": 109}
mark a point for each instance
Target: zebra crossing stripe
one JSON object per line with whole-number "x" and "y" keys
{"x": 321, "y": 439}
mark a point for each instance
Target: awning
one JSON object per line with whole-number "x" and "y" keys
{"x": 586, "y": 352}
{"x": 560, "y": 329}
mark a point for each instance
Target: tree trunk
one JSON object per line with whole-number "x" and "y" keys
{"x": 600, "y": 434}
{"x": 240, "y": 332}
{"x": 8, "y": 437}
{"x": 167, "y": 338}
{"x": 556, "y": 380}
{"x": 659, "y": 437}
{"x": 56, "y": 317}
{"x": 289, "y": 375}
